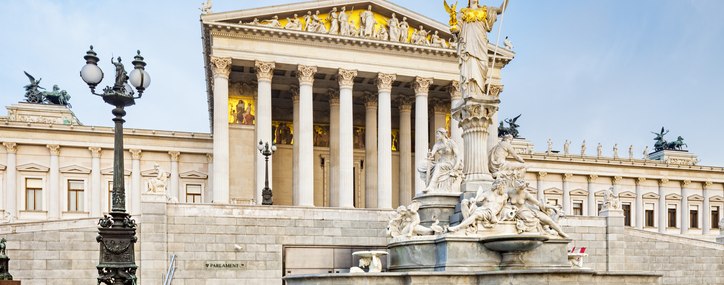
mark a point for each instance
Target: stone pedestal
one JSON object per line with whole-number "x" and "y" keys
{"x": 152, "y": 223}
{"x": 437, "y": 205}
{"x": 677, "y": 157}
{"x": 464, "y": 254}
{"x": 615, "y": 244}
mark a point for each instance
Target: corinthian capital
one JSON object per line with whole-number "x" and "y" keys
{"x": 404, "y": 103}
{"x": 54, "y": 149}
{"x": 264, "y": 70}
{"x": 384, "y": 81}
{"x": 174, "y": 155}
{"x": 135, "y": 153}
{"x": 95, "y": 152}
{"x": 346, "y": 77}
{"x": 306, "y": 74}
{"x": 221, "y": 66}
{"x": 11, "y": 147}
{"x": 495, "y": 90}
{"x": 333, "y": 96}
{"x": 454, "y": 90}
{"x": 422, "y": 86}
{"x": 295, "y": 93}
{"x": 370, "y": 100}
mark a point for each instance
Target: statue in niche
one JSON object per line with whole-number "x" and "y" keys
{"x": 321, "y": 136}
{"x": 533, "y": 215}
{"x": 273, "y": 23}
{"x": 404, "y": 30}
{"x": 157, "y": 185}
{"x": 333, "y": 21}
{"x": 359, "y": 138}
{"x": 566, "y": 147}
{"x": 488, "y": 213}
{"x": 583, "y": 148}
{"x": 437, "y": 41}
{"x": 443, "y": 171}
{"x": 248, "y": 117}
{"x": 238, "y": 112}
{"x": 611, "y": 200}
{"x": 367, "y": 21}
{"x": 293, "y": 23}
{"x": 406, "y": 223}
{"x": 498, "y": 155}
{"x": 395, "y": 141}
{"x": 512, "y": 128}
{"x": 344, "y": 24}
{"x": 283, "y": 134}
{"x": 394, "y": 26}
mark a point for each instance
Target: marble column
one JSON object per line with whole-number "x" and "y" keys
{"x": 221, "y": 68}
{"x": 54, "y": 181}
{"x": 456, "y": 133}
{"x": 11, "y": 203}
{"x": 209, "y": 198}
{"x": 405, "y": 149}
{"x": 135, "y": 195}
{"x": 371, "y": 190}
{"x": 567, "y": 194}
{"x": 304, "y": 137}
{"x": 495, "y": 91}
{"x": 616, "y": 183}
{"x": 540, "y": 195}
{"x": 96, "y": 191}
{"x": 706, "y": 212}
{"x": 384, "y": 141}
{"x": 173, "y": 186}
{"x": 592, "y": 206}
{"x": 346, "y": 133}
{"x": 440, "y": 108}
{"x": 264, "y": 74}
{"x": 295, "y": 146}
{"x": 333, "y": 147}
{"x": 685, "y": 185}
{"x": 475, "y": 119}
{"x": 662, "y": 206}
{"x": 422, "y": 87}
{"x": 640, "y": 202}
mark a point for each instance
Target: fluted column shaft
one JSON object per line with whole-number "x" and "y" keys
{"x": 662, "y": 206}
{"x": 384, "y": 140}
{"x": 592, "y": 207}
{"x": 346, "y": 132}
{"x": 333, "y": 147}
{"x": 371, "y": 154}
{"x": 685, "y": 206}
{"x": 422, "y": 87}
{"x": 706, "y": 221}
{"x": 304, "y": 137}
{"x": 405, "y": 149}
{"x": 495, "y": 91}
{"x": 136, "y": 190}
{"x": 640, "y": 203}
{"x": 264, "y": 74}
{"x": 540, "y": 195}
{"x": 96, "y": 190}
{"x": 221, "y": 67}
{"x": 295, "y": 147}
{"x": 11, "y": 179}
{"x": 54, "y": 181}
{"x": 567, "y": 194}
{"x": 173, "y": 190}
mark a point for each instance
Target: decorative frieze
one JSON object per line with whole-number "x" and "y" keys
{"x": 306, "y": 74}
{"x": 264, "y": 70}
{"x": 346, "y": 78}
{"x": 384, "y": 82}
{"x": 422, "y": 86}
{"x": 221, "y": 66}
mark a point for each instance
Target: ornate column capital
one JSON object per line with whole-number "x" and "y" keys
{"x": 209, "y": 157}
{"x": 422, "y": 86}
{"x": 370, "y": 100}
{"x": 346, "y": 77}
{"x": 95, "y": 151}
{"x": 305, "y": 74}
{"x": 221, "y": 66}
{"x": 567, "y": 176}
{"x": 440, "y": 106}
{"x": 333, "y": 96}
{"x": 708, "y": 184}
{"x": 616, "y": 179}
{"x": 54, "y": 149}
{"x": 295, "y": 93}
{"x": 404, "y": 103}
{"x": 685, "y": 183}
{"x": 135, "y": 153}
{"x": 592, "y": 177}
{"x": 174, "y": 155}
{"x": 495, "y": 90}
{"x": 663, "y": 181}
{"x": 264, "y": 70}
{"x": 11, "y": 147}
{"x": 454, "y": 89}
{"x": 640, "y": 180}
{"x": 384, "y": 81}
{"x": 542, "y": 174}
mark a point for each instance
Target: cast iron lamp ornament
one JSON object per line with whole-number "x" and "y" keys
{"x": 266, "y": 151}
{"x": 117, "y": 232}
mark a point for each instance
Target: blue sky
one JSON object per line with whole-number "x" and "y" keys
{"x": 604, "y": 71}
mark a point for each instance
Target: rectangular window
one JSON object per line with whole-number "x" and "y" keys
{"x": 650, "y": 218}
{"x": 578, "y": 208}
{"x": 694, "y": 217}
{"x": 672, "y": 216}
{"x": 626, "y": 214}
{"x": 715, "y": 217}
{"x": 33, "y": 194}
{"x": 76, "y": 188}
{"x": 193, "y": 193}
{"x": 600, "y": 206}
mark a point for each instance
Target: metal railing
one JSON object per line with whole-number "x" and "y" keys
{"x": 171, "y": 270}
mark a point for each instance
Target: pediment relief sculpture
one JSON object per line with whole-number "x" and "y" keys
{"x": 32, "y": 167}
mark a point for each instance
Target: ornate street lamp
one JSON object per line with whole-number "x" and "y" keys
{"x": 117, "y": 233}
{"x": 266, "y": 151}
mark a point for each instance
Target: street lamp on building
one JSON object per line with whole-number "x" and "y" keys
{"x": 266, "y": 151}
{"x": 117, "y": 233}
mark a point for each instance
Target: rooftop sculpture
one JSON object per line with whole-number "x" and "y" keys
{"x": 662, "y": 144}
{"x": 54, "y": 97}
{"x": 512, "y": 128}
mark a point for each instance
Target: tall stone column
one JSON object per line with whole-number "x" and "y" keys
{"x": 295, "y": 147}
{"x": 662, "y": 205}
{"x": 346, "y": 132}
{"x": 11, "y": 203}
{"x": 54, "y": 181}
{"x": 384, "y": 147}
{"x": 456, "y": 132}
{"x": 616, "y": 183}
{"x": 173, "y": 190}
{"x": 96, "y": 190}
{"x": 592, "y": 207}
{"x": 405, "y": 149}
{"x": 440, "y": 108}
{"x": 541, "y": 196}
{"x": 685, "y": 185}
{"x": 136, "y": 190}
{"x": 333, "y": 147}
{"x": 640, "y": 202}
{"x": 221, "y": 68}
{"x": 567, "y": 194}
{"x": 264, "y": 74}
{"x": 304, "y": 137}
{"x": 475, "y": 117}
{"x": 422, "y": 87}
{"x": 706, "y": 212}
{"x": 495, "y": 91}
{"x": 209, "y": 198}
{"x": 371, "y": 189}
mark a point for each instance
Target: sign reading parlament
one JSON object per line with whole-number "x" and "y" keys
{"x": 225, "y": 265}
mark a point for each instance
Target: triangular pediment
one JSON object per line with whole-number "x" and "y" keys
{"x": 651, "y": 195}
{"x": 553, "y": 191}
{"x": 109, "y": 171}
{"x": 600, "y": 193}
{"x": 696, "y": 197}
{"x": 32, "y": 167}
{"x": 716, "y": 199}
{"x": 75, "y": 169}
{"x": 579, "y": 192}
{"x": 149, "y": 172}
{"x": 193, "y": 175}
{"x": 627, "y": 194}
{"x": 673, "y": 196}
